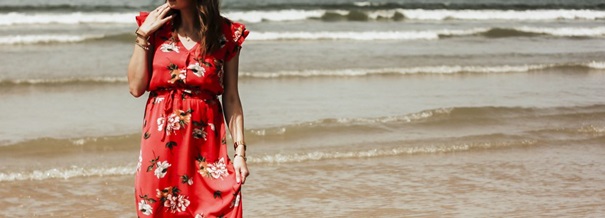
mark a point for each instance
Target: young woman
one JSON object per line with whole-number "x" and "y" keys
{"x": 186, "y": 54}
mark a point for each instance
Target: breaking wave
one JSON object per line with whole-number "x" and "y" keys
{"x": 495, "y": 32}
{"x": 268, "y": 159}
{"x": 426, "y": 70}
{"x": 254, "y": 16}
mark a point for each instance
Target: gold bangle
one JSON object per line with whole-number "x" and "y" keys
{"x": 242, "y": 156}
{"x": 144, "y": 45}
{"x": 140, "y": 34}
{"x": 238, "y": 143}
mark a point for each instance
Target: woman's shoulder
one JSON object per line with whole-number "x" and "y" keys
{"x": 234, "y": 31}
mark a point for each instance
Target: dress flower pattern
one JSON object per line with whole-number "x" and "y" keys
{"x": 162, "y": 168}
{"x": 197, "y": 69}
{"x": 169, "y": 47}
{"x": 184, "y": 169}
{"x": 145, "y": 208}
{"x": 218, "y": 170}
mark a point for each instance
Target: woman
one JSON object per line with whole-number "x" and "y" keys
{"x": 186, "y": 55}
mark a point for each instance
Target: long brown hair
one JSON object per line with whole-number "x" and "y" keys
{"x": 210, "y": 20}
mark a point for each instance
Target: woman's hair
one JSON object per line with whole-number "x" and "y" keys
{"x": 210, "y": 20}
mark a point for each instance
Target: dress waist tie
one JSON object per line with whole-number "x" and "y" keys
{"x": 173, "y": 112}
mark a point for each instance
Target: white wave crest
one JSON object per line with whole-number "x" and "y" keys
{"x": 419, "y": 35}
{"x": 363, "y": 36}
{"x": 423, "y": 115}
{"x": 66, "y": 173}
{"x": 592, "y": 129}
{"x": 362, "y": 4}
{"x": 66, "y": 80}
{"x": 428, "y": 149}
{"x": 566, "y": 31}
{"x": 255, "y": 16}
{"x": 446, "y": 69}
{"x": 422, "y": 14}
{"x": 282, "y": 15}
{"x": 75, "y": 172}
{"x": 334, "y": 35}
{"x": 37, "y": 39}
{"x": 17, "y": 18}
{"x": 596, "y": 65}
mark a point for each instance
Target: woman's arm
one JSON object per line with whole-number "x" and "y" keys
{"x": 234, "y": 115}
{"x": 138, "y": 76}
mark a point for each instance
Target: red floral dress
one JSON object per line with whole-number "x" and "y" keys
{"x": 184, "y": 169}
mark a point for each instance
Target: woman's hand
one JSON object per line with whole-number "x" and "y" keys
{"x": 241, "y": 169}
{"x": 155, "y": 20}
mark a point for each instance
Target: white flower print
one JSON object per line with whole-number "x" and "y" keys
{"x": 161, "y": 122}
{"x": 190, "y": 181}
{"x": 238, "y": 33}
{"x": 168, "y": 47}
{"x": 218, "y": 169}
{"x": 162, "y": 168}
{"x": 211, "y": 126}
{"x": 199, "y": 215}
{"x": 145, "y": 208}
{"x": 197, "y": 69}
{"x": 158, "y": 100}
{"x": 140, "y": 161}
{"x": 174, "y": 123}
{"x": 183, "y": 75}
{"x": 176, "y": 203}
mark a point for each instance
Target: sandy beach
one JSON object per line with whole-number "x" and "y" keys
{"x": 398, "y": 108}
{"x": 522, "y": 180}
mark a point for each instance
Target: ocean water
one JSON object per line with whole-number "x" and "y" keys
{"x": 384, "y": 108}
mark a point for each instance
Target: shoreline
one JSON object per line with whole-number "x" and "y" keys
{"x": 404, "y": 186}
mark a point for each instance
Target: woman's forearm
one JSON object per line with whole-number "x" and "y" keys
{"x": 233, "y": 110}
{"x": 138, "y": 68}
{"x": 138, "y": 75}
{"x": 235, "y": 116}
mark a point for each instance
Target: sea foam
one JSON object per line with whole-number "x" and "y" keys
{"x": 495, "y": 32}
{"x": 255, "y": 16}
{"x": 17, "y": 18}
{"x": 45, "y": 38}
{"x": 444, "y": 69}
{"x": 75, "y": 172}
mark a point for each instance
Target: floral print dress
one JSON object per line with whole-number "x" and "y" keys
{"x": 184, "y": 169}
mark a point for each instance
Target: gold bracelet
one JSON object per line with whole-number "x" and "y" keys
{"x": 144, "y": 46}
{"x": 236, "y": 144}
{"x": 140, "y": 34}
{"x": 242, "y": 156}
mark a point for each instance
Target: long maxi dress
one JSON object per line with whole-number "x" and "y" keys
{"x": 184, "y": 169}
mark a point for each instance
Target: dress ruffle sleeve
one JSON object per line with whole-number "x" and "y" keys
{"x": 238, "y": 33}
{"x": 141, "y": 17}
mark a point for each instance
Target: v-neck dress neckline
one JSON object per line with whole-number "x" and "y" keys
{"x": 180, "y": 42}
